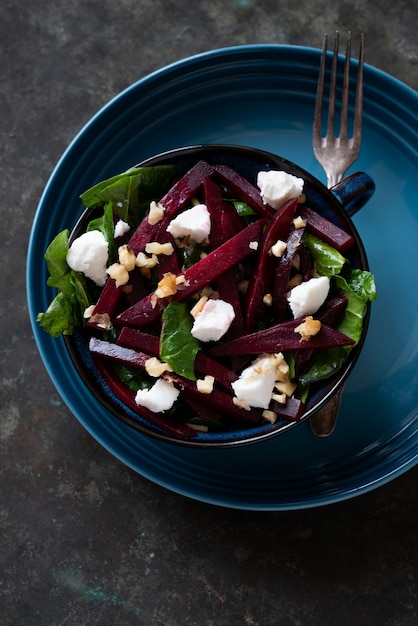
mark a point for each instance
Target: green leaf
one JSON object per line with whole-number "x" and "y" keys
{"x": 242, "y": 208}
{"x": 58, "y": 319}
{"x": 362, "y": 283}
{"x": 134, "y": 378}
{"x": 106, "y": 226}
{"x": 328, "y": 261}
{"x": 56, "y": 261}
{"x": 130, "y": 192}
{"x": 178, "y": 347}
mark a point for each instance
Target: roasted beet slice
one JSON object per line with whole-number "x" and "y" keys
{"x": 326, "y": 230}
{"x": 280, "y": 338}
{"x": 243, "y": 190}
{"x": 292, "y": 410}
{"x": 282, "y": 275}
{"x": 261, "y": 282}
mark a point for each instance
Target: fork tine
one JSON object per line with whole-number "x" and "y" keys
{"x": 317, "y": 126}
{"x": 346, "y": 89}
{"x": 358, "y": 111}
{"x": 332, "y": 88}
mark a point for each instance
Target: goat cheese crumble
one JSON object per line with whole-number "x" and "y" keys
{"x": 194, "y": 223}
{"x": 306, "y": 298}
{"x": 212, "y": 322}
{"x": 89, "y": 254}
{"x": 276, "y": 187}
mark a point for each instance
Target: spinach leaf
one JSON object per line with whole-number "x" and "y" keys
{"x": 134, "y": 378}
{"x": 58, "y": 319}
{"x": 106, "y": 226}
{"x": 178, "y": 347}
{"x": 56, "y": 262}
{"x": 328, "y": 261}
{"x": 130, "y": 192}
{"x": 242, "y": 208}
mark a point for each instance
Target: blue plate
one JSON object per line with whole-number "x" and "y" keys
{"x": 262, "y": 96}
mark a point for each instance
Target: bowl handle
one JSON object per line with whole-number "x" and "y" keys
{"x": 354, "y": 191}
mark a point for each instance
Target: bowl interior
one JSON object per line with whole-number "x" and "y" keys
{"x": 248, "y": 162}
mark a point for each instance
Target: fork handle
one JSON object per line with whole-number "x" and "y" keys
{"x": 354, "y": 191}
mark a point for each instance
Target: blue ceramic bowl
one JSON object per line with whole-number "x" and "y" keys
{"x": 337, "y": 205}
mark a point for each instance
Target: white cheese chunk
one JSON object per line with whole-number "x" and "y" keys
{"x": 89, "y": 254}
{"x": 121, "y": 228}
{"x": 212, "y": 322}
{"x": 160, "y": 397}
{"x": 306, "y": 298}
{"x": 194, "y": 223}
{"x": 256, "y": 382}
{"x": 277, "y": 186}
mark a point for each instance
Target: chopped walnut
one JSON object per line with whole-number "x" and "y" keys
{"x": 181, "y": 282}
{"x": 101, "y": 320}
{"x": 119, "y": 273}
{"x": 167, "y": 286}
{"x": 156, "y": 213}
{"x": 144, "y": 261}
{"x": 279, "y": 248}
{"x": 279, "y": 397}
{"x": 198, "y": 306}
{"x": 299, "y": 222}
{"x": 205, "y": 385}
{"x": 309, "y": 328}
{"x": 154, "y": 367}
{"x": 154, "y": 247}
{"x": 286, "y": 387}
{"x": 127, "y": 257}
{"x": 270, "y": 416}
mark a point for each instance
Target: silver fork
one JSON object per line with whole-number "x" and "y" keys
{"x": 335, "y": 155}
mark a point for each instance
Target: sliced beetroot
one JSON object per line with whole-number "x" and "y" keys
{"x": 167, "y": 424}
{"x": 115, "y": 352}
{"x": 261, "y": 282}
{"x": 282, "y": 274}
{"x": 196, "y": 277}
{"x": 280, "y": 338}
{"x": 187, "y": 187}
{"x": 243, "y": 190}
{"x": 292, "y": 410}
{"x": 215, "y": 205}
{"x": 226, "y": 283}
{"x": 327, "y": 231}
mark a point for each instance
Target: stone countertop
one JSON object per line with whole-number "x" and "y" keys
{"x": 85, "y": 540}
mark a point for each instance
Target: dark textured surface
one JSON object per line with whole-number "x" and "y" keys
{"x": 84, "y": 540}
